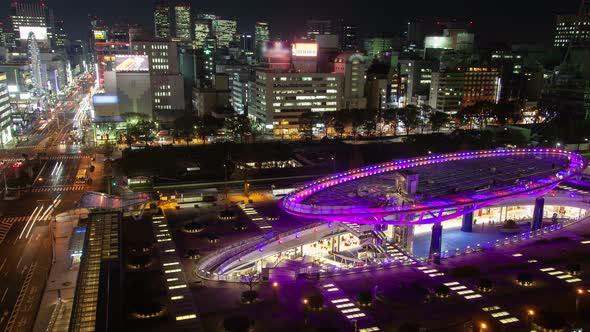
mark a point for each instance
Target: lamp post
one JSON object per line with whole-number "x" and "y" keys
{"x": 483, "y": 327}
{"x": 530, "y": 314}
{"x": 305, "y": 313}
{"x": 579, "y": 293}
{"x": 275, "y": 291}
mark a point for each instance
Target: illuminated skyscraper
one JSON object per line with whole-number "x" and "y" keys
{"x": 35, "y": 18}
{"x": 224, "y": 31}
{"x": 162, "y": 20}
{"x": 183, "y": 20}
{"x": 5, "y": 112}
{"x": 571, "y": 28}
{"x": 261, "y": 36}
{"x": 348, "y": 36}
{"x": 202, "y": 30}
{"x": 319, "y": 27}
{"x": 208, "y": 60}
{"x": 374, "y": 46}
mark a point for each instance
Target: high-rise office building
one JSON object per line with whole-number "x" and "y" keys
{"x": 261, "y": 37}
{"x": 482, "y": 83}
{"x": 32, "y": 19}
{"x": 206, "y": 70}
{"x": 319, "y": 27}
{"x": 60, "y": 37}
{"x": 348, "y": 36}
{"x": 418, "y": 77}
{"x": 353, "y": 67}
{"x": 183, "y": 22}
{"x": 5, "y": 112}
{"x": 225, "y": 32}
{"x": 571, "y": 29}
{"x": 376, "y": 45}
{"x": 281, "y": 97}
{"x": 167, "y": 84}
{"x": 247, "y": 45}
{"x": 446, "y": 91}
{"x": 162, "y": 20}
{"x": 202, "y": 31}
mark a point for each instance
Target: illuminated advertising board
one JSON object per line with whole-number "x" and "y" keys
{"x": 105, "y": 99}
{"x": 100, "y": 35}
{"x": 276, "y": 50}
{"x": 39, "y": 32}
{"x": 440, "y": 42}
{"x": 305, "y": 49}
{"x": 131, "y": 63}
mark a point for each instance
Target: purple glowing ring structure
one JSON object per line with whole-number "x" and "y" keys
{"x": 436, "y": 209}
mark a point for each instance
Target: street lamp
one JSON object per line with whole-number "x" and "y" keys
{"x": 275, "y": 284}
{"x": 579, "y": 293}
{"x": 557, "y": 144}
{"x": 483, "y": 326}
{"x": 530, "y": 315}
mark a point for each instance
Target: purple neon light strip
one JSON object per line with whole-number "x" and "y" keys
{"x": 291, "y": 203}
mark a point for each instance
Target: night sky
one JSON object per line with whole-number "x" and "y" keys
{"x": 495, "y": 21}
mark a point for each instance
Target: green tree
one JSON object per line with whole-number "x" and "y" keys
{"x": 504, "y": 113}
{"x": 143, "y": 130}
{"x": 185, "y": 127}
{"x": 438, "y": 120}
{"x": 207, "y": 125}
{"x": 390, "y": 116}
{"x": 326, "y": 119}
{"x": 409, "y": 116}
{"x": 307, "y": 121}
{"x": 425, "y": 111}
{"x": 340, "y": 123}
{"x": 239, "y": 125}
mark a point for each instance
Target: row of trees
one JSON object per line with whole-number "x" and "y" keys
{"x": 412, "y": 118}
{"x": 189, "y": 127}
{"x": 367, "y": 121}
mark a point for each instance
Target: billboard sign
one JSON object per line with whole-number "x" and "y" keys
{"x": 39, "y": 32}
{"x": 100, "y": 35}
{"x": 305, "y": 49}
{"x": 276, "y": 49}
{"x": 131, "y": 63}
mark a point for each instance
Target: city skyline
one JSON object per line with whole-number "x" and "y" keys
{"x": 523, "y": 22}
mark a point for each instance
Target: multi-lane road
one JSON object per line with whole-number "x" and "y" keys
{"x": 25, "y": 235}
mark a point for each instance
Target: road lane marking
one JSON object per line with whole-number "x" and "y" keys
{"x": 3, "y": 263}
{"x": 4, "y": 295}
{"x": 23, "y": 231}
{"x": 19, "y": 261}
{"x": 34, "y": 220}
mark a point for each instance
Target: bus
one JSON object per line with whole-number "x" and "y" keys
{"x": 82, "y": 176}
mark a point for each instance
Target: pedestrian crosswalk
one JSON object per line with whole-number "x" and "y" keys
{"x": 58, "y": 189}
{"x": 5, "y": 226}
{"x": 259, "y": 220}
{"x": 67, "y": 157}
{"x": 11, "y": 160}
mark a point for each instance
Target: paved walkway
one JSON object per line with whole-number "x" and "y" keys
{"x": 56, "y": 304}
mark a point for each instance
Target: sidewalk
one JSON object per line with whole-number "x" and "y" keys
{"x": 54, "y": 311}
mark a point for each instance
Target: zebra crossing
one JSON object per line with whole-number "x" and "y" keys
{"x": 6, "y": 224}
{"x": 59, "y": 189}
{"x": 11, "y": 160}
{"x": 68, "y": 157}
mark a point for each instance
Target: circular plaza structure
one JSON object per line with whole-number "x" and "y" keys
{"x": 365, "y": 218}
{"x": 433, "y": 188}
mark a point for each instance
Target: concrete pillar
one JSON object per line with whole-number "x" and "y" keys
{"x": 537, "y": 221}
{"x": 467, "y": 225}
{"x": 436, "y": 241}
